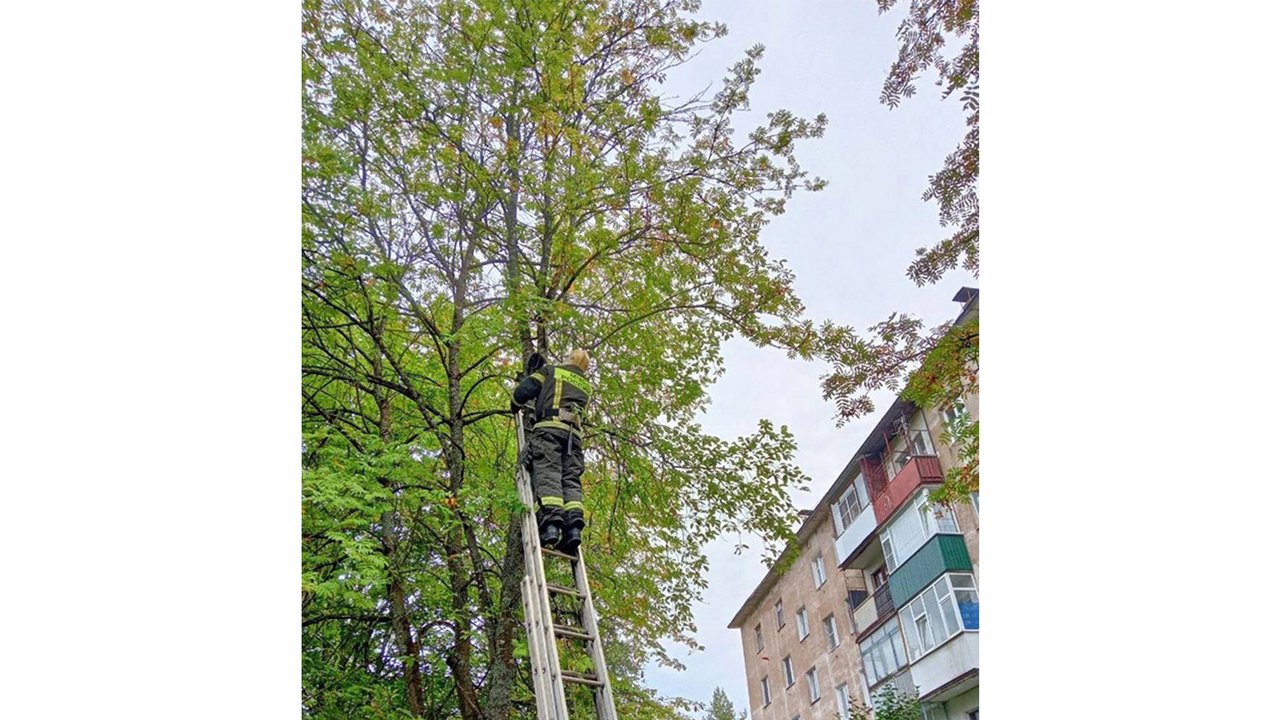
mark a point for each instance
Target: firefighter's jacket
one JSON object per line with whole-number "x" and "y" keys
{"x": 562, "y": 393}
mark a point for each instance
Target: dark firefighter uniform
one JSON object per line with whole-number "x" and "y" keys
{"x": 560, "y": 393}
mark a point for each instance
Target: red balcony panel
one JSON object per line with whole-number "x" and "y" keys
{"x": 873, "y": 473}
{"x": 920, "y": 469}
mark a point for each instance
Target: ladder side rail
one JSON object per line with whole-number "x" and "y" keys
{"x": 537, "y": 653}
{"x": 543, "y": 642}
{"x": 605, "y": 709}
{"x": 537, "y": 576}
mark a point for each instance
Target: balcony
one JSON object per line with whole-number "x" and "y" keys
{"x": 917, "y": 470}
{"x": 865, "y": 615}
{"x": 883, "y": 598}
{"x": 855, "y": 535}
{"x": 942, "y": 553}
{"x": 875, "y": 608}
{"x": 948, "y": 670}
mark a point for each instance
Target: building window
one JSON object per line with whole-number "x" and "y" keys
{"x": 919, "y": 443}
{"x": 812, "y": 677}
{"x": 802, "y": 623}
{"x": 879, "y": 577}
{"x": 819, "y": 572}
{"x": 966, "y": 595}
{"x": 882, "y": 653}
{"x": 777, "y": 611}
{"x": 953, "y": 414}
{"x": 974, "y": 496}
{"x": 788, "y": 671}
{"x": 759, "y": 639}
{"x": 764, "y": 688}
{"x": 842, "y": 700}
{"x": 850, "y": 504}
{"x": 833, "y": 635}
{"x": 939, "y": 613}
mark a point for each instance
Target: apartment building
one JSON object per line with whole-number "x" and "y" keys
{"x": 884, "y": 585}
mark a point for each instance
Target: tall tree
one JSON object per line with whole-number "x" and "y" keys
{"x": 721, "y": 708}
{"x": 482, "y": 178}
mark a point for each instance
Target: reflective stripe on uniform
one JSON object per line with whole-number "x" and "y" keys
{"x": 574, "y": 505}
{"x": 551, "y": 501}
{"x": 558, "y": 425}
{"x": 574, "y": 379}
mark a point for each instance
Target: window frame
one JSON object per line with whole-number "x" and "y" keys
{"x": 802, "y": 623}
{"x": 884, "y": 643}
{"x": 886, "y": 546}
{"x": 778, "y": 613}
{"x": 915, "y": 525}
{"x": 842, "y": 504}
{"x": 759, "y": 638}
{"x": 945, "y": 605}
{"x": 951, "y": 413}
{"x": 788, "y": 671}
{"x": 832, "y": 632}
{"x": 844, "y": 701}
{"x": 818, "y": 571}
{"x": 972, "y": 588}
{"x": 815, "y": 693}
{"x": 764, "y": 688}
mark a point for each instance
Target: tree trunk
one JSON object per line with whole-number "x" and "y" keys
{"x": 502, "y": 674}
{"x": 400, "y": 623}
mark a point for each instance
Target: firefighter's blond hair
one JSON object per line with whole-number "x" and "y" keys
{"x": 579, "y": 358}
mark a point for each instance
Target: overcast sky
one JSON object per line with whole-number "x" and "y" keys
{"x": 848, "y": 245}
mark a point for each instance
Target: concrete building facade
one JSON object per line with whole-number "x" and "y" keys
{"x": 879, "y": 587}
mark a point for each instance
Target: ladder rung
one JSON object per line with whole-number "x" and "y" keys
{"x": 564, "y": 590}
{"x": 572, "y": 632}
{"x": 557, "y": 553}
{"x": 581, "y": 679}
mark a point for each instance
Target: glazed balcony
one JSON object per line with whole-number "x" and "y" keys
{"x": 855, "y": 537}
{"x": 941, "y": 554}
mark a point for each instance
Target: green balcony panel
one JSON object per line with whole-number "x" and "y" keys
{"x": 943, "y": 553}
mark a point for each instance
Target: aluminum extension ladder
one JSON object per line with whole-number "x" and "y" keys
{"x": 541, "y": 627}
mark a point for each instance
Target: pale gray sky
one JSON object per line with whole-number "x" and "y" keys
{"x": 849, "y": 246}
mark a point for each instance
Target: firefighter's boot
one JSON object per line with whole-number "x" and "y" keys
{"x": 572, "y": 533}
{"x": 550, "y": 527}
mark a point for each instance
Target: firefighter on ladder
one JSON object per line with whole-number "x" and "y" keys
{"x": 559, "y": 393}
